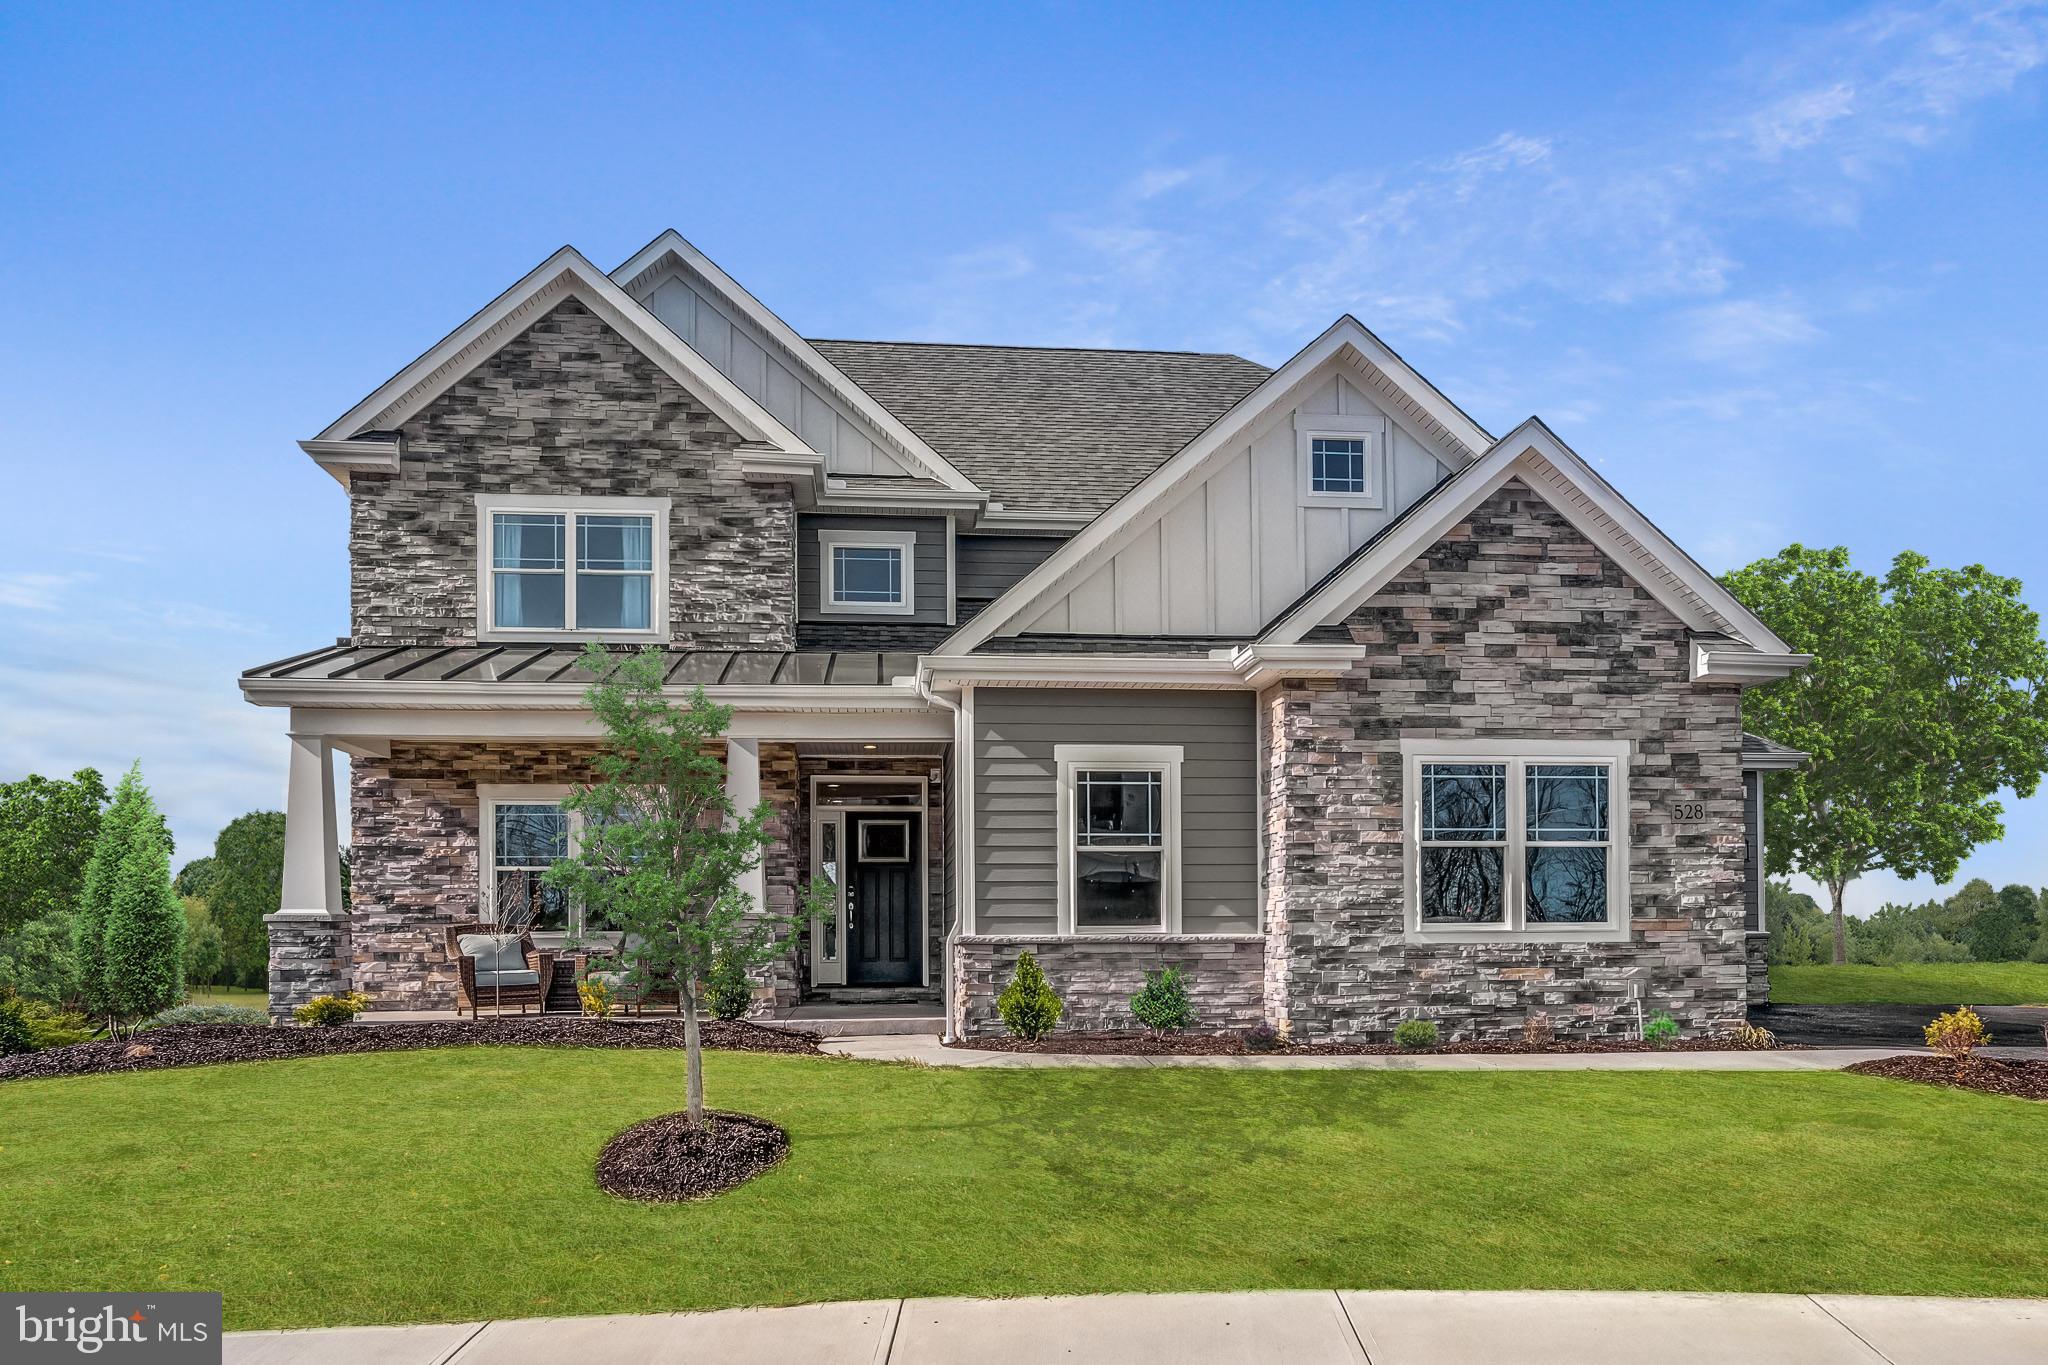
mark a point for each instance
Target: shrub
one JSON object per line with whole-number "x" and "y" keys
{"x": 1162, "y": 1004}
{"x": 1755, "y": 1037}
{"x": 324, "y": 1011}
{"x": 1537, "y": 1030}
{"x": 197, "y": 1013}
{"x": 39, "y": 961}
{"x": 14, "y": 1034}
{"x": 596, "y": 997}
{"x": 1028, "y": 1005}
{"x": 1262, "y": 1037}
{"x": 729, "y": 991}
{"x": 1957, "y": 1034}
{"x": 1661, "y": 1031}
{"x": 50, "y": 1026}
{"x": 1417, "y": 1033}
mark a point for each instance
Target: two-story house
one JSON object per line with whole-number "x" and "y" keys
{"x": 1296, "y": 678}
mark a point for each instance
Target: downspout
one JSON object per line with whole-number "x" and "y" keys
{"x": 932, "y": 698}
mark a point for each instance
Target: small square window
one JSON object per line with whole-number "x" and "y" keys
{"x": 867, "y": 574}
{"x": 1337, "y": 465}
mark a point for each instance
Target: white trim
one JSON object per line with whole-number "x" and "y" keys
{"x": 1458, "y": 440}
{"x": 1743, "y": 666}
{"x": 346, "y": 459}
{"x": 832, "y": 538}
{"x": 574, "y": 723}
{"x": 952, "y": 592}
{"x": 490, "y": 505}
{"x": 1569, "y": 485}
{"x": 923, "y": 862}
{"x": 895, "y": 434}
{"x": 1247, "y": 666}
{"x": 1516, "y": 754}
{"x": 564, "y": 275}
{"x": 964, "y": 757}
{"x": 1756, "y": 834}
{"x": 1367, "y": 428}
{"x": 1069, "y": 759}
{"x": 830, "y": 972}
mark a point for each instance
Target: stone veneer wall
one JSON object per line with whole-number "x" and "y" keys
{"x": 1096, "y": 977}
{"x": 308, "y": 957}
{"x": 1512, "y": 625}
{"x": 571, "y": 408}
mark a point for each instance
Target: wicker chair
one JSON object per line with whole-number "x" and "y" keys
{"x": 494, "y": 993}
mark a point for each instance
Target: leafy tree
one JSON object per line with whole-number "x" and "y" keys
{"x": 1928, "y": 694}
{"x": 193, "y": 877}
{"x": 145, "y": 953}
{"x": 205, "y": 950}
{"x": 39, "y": 961}
{"x": 46, "y": 832}
{"x": 1898, "y": 935}
{"x": 247, "y": 884}
{"x": 1954, "y": 917}
{"x": 2005, "y": 930}
{"x": 131, "y": 815}
{"x": 663, "y": 848}
{"x": 1799, "y": 927}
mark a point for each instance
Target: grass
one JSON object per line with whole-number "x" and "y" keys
{"x": 454, "y": 1185}
{"x": 228, "y": 995}
{"x": 1926, "y": 983}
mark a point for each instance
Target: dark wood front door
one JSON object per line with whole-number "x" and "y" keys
{"x": 884, "y": 923}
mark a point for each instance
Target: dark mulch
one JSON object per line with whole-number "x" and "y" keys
{"x": 1995, "y": 1076}
{"x": 1891, "y": 1025}
{"x": 665, "y": 1161}
{"x": 207, "y": 1044}
{"x": 1233, "y": 1045}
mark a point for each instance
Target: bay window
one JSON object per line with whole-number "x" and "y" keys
{"x": 571, "y": 566}
{"x": 1516, "y": 839}
{"x": 1119, "y": 838}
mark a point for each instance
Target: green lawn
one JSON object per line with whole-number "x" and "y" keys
{"x": 457, "y": 1185}
{"x": 228, "y": 995}
{"x": 1927, "y": 983}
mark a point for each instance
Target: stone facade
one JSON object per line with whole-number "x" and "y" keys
{"x": 308, "y": 957}
{"x": 1096, "y": 977}
{"x": 571, "y": 408}
{"x": 1513, "y": 625}
{"x": 1758, "y": 948}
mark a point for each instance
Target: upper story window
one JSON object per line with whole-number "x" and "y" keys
{"x": 571, "y": 566}
{"x": 867, "y": 572}
{"x": 1517, "y": 839}
{"x": 1342, "y": 457}
{"x": 1119, "y": 851}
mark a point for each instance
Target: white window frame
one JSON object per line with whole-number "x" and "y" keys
{"x": 1368, "y": 427}
{"x": 1517, "y": 754}
{"x": 489, "y": 505}
{"x": 846, "y": 538}
{"x": 489, "y": 798}
{"x": 1164, "y": 759}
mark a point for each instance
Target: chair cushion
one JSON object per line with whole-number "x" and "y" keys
{"x": 493, "y": 952}
{"x": 486, "y": 980}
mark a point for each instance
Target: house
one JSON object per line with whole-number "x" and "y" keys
{"x": 1298, "y": 678}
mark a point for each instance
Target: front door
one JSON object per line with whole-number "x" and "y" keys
{"x": 884, "y": 897}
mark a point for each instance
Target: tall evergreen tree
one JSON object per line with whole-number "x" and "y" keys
{"x": 132, "y": 822}
{"x": 145, "y": 956}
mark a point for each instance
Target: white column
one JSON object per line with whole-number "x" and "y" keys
{"x": 312, "y": 872}
{"x": 743, "y": 788}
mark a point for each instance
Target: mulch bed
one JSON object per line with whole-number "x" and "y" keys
{"x": 208, "y": 1044}
{"x": 1136, "y": 1044}
{"x": 1994, "y": 1076}
{"x": 665, "y": 1161}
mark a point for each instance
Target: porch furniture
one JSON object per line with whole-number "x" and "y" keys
{"x": 499, "y": 968}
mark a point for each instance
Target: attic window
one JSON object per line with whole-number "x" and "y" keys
{"x": 1342, "y": 458}
{"x": 1337, "y": 464}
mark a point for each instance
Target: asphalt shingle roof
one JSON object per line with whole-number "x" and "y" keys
{"x": 1048, "y": 429}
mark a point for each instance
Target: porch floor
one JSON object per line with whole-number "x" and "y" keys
{"x": 862, "y": 1020}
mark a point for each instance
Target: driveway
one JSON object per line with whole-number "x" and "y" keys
{"x": 1893, "y": 1025}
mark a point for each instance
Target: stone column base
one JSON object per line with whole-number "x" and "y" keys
{"x": 1758, "y": 963}
{"x": 308, "y": 957}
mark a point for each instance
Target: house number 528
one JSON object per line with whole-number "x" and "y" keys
{"x": 1688, "y": 810}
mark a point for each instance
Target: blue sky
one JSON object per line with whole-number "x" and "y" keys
{"x": 1775, "y": 268}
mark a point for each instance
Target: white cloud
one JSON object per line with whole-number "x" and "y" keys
{"x": 1746, "y": 333}
{"x": 43, "y": 592}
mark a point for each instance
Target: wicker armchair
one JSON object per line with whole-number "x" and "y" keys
{"x": 494, "y": 992}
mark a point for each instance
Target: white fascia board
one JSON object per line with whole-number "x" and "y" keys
{"x": 1773, "y": 763}
{"x": 1260, "y": 664}
{"x": 355, "y": 728}
{"x": 838, "y": 494}
{"x": 1747, "y": 667}
{"x": 346, "y": 459}
{"x": 566, "y": 274}
{"x": 1248, "y": 666}
{"x": 1109, "y": 532}
{"x": 1533, "y": 453}
{"x": 673, "y": 243}
{"x": 1035, "y": 523}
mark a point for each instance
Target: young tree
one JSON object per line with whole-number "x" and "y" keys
{"x": 205, "y": 953}
{"x": 194, "y": 877}
{"x": 663, "y": 848}
{"x": 246, "y": 883}
{"x": 145, "y": 957}
{"x": 131, "y": 810}
{"x": 46, "y": 832}
{"x": 1928, "y": 694}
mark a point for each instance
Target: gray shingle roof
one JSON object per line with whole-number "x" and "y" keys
{"x": 1048, "y": 429}
{"x": 1772, "y": 752}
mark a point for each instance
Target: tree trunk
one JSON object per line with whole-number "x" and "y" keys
{"x": 1841, "y": 926}
{"x": 693, "y": 1054}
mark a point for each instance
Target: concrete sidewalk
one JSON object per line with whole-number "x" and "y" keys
{"x": 1301, "y": 1328}
{"x": 926, "y": 1048}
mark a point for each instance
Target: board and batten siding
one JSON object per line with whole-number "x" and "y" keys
{"x": 1016, "y": 796}
{"x": 692, "y": 310}
{"x": 984, "y": 567}
{"x": 1235, "y": 550}
{"x": 929, "y": 570}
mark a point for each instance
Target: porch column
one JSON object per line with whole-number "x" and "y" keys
{"x": 743, "y": 787}
{"x": 309, "y": 932}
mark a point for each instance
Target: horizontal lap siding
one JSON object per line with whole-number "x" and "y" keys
{"x": 986, "y": 566}
{"x": 930, "y": 569}
{"x": 1016, "y": 797}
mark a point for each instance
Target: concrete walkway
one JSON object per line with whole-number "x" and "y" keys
{"x": 926, "y": 1048}
{"x": 1300, "y": 1328}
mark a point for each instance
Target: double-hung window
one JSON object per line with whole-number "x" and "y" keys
{"x": 525, "y": 832}
{"x": 867, "y": 572}
{"x": 1517, "y": 839}
{"x": 571, "y": 566}
{"x": 1119, "y": 838}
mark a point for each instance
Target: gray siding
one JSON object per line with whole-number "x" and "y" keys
{"x": 1016, "y": 858}
{"x": 1752, "y": 850}
{"x": 986, "y": 566}
{"x": 930, "y": 569}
